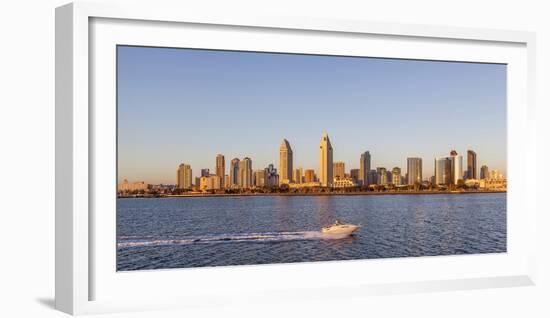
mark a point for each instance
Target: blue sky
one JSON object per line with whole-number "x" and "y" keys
{"x": 185, "y": 105}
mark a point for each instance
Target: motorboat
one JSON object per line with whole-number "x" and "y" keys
{"x": 340, "y": 228}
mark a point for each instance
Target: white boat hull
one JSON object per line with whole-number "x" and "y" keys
{"x": 342, "y": 229}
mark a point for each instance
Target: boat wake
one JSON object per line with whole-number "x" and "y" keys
{"x": 136, "y": 241}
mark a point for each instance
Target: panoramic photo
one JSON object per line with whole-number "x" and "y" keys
{"x": 231, "y": 158}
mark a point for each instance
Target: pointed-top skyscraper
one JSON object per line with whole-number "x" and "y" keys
{"x": 325, "y": 161}
{"x": 285, "y": 162}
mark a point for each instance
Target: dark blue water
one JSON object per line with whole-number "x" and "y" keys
{"x": 217, "y": 231}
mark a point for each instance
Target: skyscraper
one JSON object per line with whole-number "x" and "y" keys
{"x": 472, "y": 165}
{"x": 442, "y": 169}
{"x": 396, "y": 176}
{"x": 245, "y": 173}
{"x": 414, "y": 170}
{"x": 354, "y": 174}
{"x": 309, "y": 176}
{"x": 364, "y": 168}
{"x": 382, "y": 175}
{"x": 297, "y": 175}
{"x": 259, "y": 178}
{"x": 184, "y": 176}
{"x": 271, "y": 176}
{"x": 339, "y": 170}
{"x": 205, "y": 172}
{"x": 220, "y": 168}
{"x": 234, "y": 172}
{"x": 325, "y": 161}
{"x": 456, "y": 167}
{"x": 285, "y": 162}
{"x": 484, "y": 172}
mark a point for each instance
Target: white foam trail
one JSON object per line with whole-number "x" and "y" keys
{"x": 124, "y": 242}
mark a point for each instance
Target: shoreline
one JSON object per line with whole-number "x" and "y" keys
{"x": 207, "y": 195}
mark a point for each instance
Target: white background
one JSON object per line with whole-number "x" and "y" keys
{"x": 27, "y": 158}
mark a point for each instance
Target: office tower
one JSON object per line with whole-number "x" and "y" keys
{"x": 396, "y": 176}
{"x": 388, "y": 176}
{"x": 271, "y": 176}
{"x": 309, "y": 176}
{"x": 442, "y": 169}
{"x": 484, "y": 173}
{"x": 414, "y": 170}
{"x": 364, "y": 167}
{"x": 339, "y": 170}
{"x": 227, "y": 181}
{"x": 456, "y": 167}
{"x": 472, "y": 165}
{"x": 245, "y": 173}
{"x": 372, "y": 177}
{"x": 184, "y": 176}
{"x": 285, "y": 162}
{"x": 325, "y": 161}
{"x": 234, "y": 172}
{"x": 297, "y": 177}
{"x": 220, "y": 168}
{"x": 355, "y": 175}
{"x": 205, "y": 172}
{"x": 259, "y": 178}
{"x": 382, "y": 175}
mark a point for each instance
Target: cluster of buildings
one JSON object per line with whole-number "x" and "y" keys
{"x": 448, "y": 172}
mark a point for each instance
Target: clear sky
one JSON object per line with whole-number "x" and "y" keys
{"x": 185, "y": 106}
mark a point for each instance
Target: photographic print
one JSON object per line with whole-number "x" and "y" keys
{"x": 231, "y": 158}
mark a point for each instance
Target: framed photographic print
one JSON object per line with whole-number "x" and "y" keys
{"x": 235, "y": 155}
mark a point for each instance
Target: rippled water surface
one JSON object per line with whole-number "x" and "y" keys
{"x": 217, "y": 231}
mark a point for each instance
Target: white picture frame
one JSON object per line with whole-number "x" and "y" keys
{"x": 84, "y": 284}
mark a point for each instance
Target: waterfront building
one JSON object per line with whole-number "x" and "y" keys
{"x": 234, "y": 172}
{"x": 364, "y": 168}
{"x": 297, "y": 178}
{"x": 227, "y": 181}
{"x": 309, "y": 176}
{"x": 339, "y": 170}
{"x": 414, "y": 170}
{"x": 184, "y": 176}
{"x": 354, "y": 174}
{"x": 484, "y": 173}
{"x": 472, "y": 165}
{"x": 372, "y": 177}
{"x": 245, "y": 173}
{"x": 456, "y": 167}
{"x": 205, "y": 172}
{"x": 396, "y": 176}
{"x": 382, "y": 175}
{"x": 285, "y": 163}
{"x": 220, "y": 168}
{"x": 126, "y": 186}
{"x": 443, "y": 169}
{"x": 212, "y": 182}
{"x": 259, "y": 178}
{"x": 344, "y": 183}
{"x": 271, "y": 176}
{"x": 197, "y": 184}
{"x": 325, "y": 161}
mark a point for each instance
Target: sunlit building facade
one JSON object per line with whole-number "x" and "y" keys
{"x": 364, "y": 168}
{"x": 184, "y": 176}
{"x": 325, "y": 161}
{"x": 414, "y": 170}
{"x": 285, "y": 163}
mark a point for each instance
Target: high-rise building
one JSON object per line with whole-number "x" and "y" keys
{"x": 271, "y": 176}
{"x": 297, "y": 177}
{"x": 259, "y": 178}
{"x": 372, "y": 177}
{"x": 484, "y": 173}
{"x": 234, "y": 172}
{"x": 456, "y": 167}
{"x": 309, "y": 176}
{"x": 227, "y": 181}
{"x": 285, "y": 162}
{"x": 325, "y": 161}
{"x": 364, "y": 167}
{"x": 205, "y": 172}
{"x": 414, "y": 170}
{"x": 220, "y": 168}
{"x": 355, "y": 175}
{"x": 472, "y": 165}
{"x": 339, "y": 170}
{"x": 396, "y": 176}
{"x": 210, "y": 183}
{"x": 442, "y": 173}
{"x": 245, "y": 173}
{"x": 184, "y": 176}
{"x": 382, "y": 175}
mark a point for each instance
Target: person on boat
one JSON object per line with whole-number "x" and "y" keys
{"x": 337, "y": 222}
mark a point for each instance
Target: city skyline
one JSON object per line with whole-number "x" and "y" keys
{"x": 161, "y": 112}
